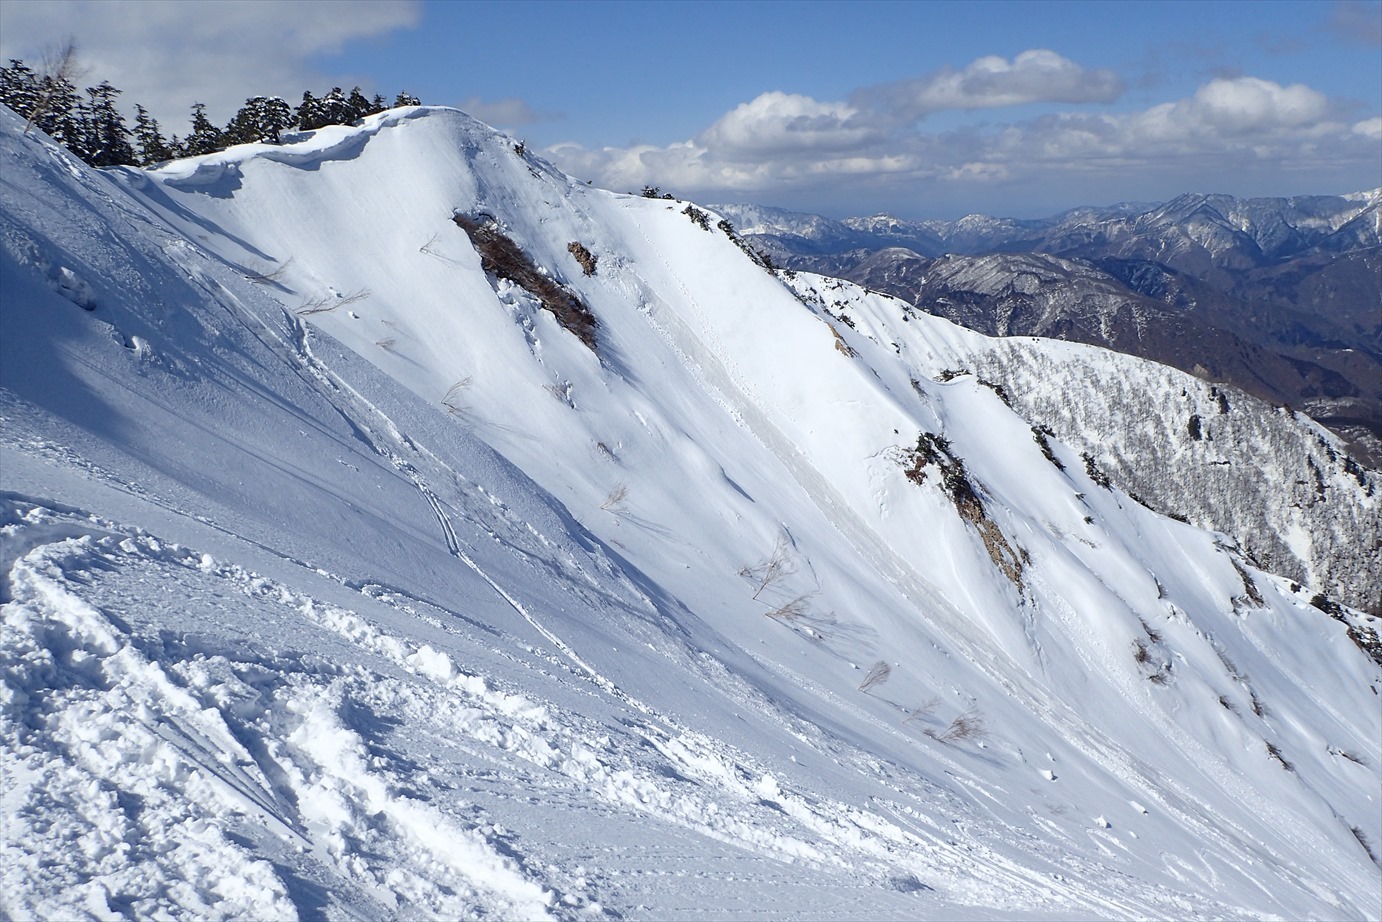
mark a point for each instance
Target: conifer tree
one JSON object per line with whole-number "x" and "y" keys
{"x": 406, "y": 99}
{"x": 261, "y": 118}
{"x": 107, "y": 138}
{"x": 205, "y": 138}
{"x": 359, "y": 105}
{"x": 61, "y": 114}
{"x": 336, "y": 106}
{"x": 152, "y": 148}
{"x": 311, "y": 114}
{"x": 19, "y": 88}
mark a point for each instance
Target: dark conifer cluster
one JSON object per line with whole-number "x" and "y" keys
{"x": 93, "y": 128}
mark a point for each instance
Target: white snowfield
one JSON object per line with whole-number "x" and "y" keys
{"x": 340, "y": 581}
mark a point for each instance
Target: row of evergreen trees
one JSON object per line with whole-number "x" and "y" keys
{"x": 93, "y": 128}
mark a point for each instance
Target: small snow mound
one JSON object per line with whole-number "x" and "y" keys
{"x": 72, "y": 287}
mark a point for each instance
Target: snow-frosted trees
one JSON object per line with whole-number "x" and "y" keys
{"x": 261, "y": 118}
{"x": 19, "y": 87}
{"x": 93, "y": 128}
{"x": 311, "y": 115}
{"x": 107, "y": 140}
{"x": 205, "y": 137}
{"x": 152, "y": 146}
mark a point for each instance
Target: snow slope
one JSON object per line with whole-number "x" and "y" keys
{"x": 341, "y": 581}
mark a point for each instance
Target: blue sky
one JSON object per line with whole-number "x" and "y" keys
{"x": 920, "y": 109}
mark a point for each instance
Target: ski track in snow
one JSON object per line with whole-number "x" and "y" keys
{"x": 267, "y": 741}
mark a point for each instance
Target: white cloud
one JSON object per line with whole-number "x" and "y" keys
{"x": 214, "y": 51}
{"x": 1239, "y": 115}
{"x": 1369, "y": 128}
{"x": 783, "y": 122}
{"x": 784, "y": 147}
{"x": 989, "y": 82}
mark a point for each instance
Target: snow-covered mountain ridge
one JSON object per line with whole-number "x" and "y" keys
{"x": 1274, "y": 296}
{"x": 342, "y": 580}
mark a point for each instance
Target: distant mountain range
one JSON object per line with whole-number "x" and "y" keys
{"x": 1277, "y": 296}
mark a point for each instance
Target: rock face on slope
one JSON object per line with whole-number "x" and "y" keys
{"x": 1278, "y": 297}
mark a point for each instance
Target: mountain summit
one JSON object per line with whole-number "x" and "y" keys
{"x": 394, "y": 526}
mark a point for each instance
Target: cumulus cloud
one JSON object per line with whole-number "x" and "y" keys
{"x": 779, "y": 140}
{"x": 787, "y": 148}
{"x": 990, "y": 82}
{"x": 213, "y": 51}
{"x": 1246, "y": 115}
{"x": 1369, "y": 128}
{"x": 777, "y": 123}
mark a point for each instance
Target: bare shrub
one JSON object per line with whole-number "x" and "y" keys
{"x": 794, "y": 610}
{"x": 616, "y": 497}
{"x": 269, "y": 276}
{"x": 1140, "y": 653}
{"x": 386, "y": 344}
{"x": 1351, "y": 756}
{"x": 451, "y": 399}
{"x": 583, "y": 256}
{"x": 1152, "y": 633}
{"x": 776, "y": 567}
{"x": 967, "y": 726}
{"x": 925, "y": 709}
{"x": 1363, "y": 841}
{"x": 316, "y": 306}
{"x": 328, "y": 303}
{"x": 1275, "y": 753}
{"x": 877, "y": 676}
{"x": 59, "y": 69}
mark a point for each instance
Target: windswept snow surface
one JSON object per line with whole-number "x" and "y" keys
{"x": 340, "y": 581}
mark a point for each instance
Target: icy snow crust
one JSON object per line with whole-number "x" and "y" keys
{"x": 340, "y": 581}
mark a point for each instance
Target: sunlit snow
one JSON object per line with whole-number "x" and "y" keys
{"x": 340, "y": 581}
